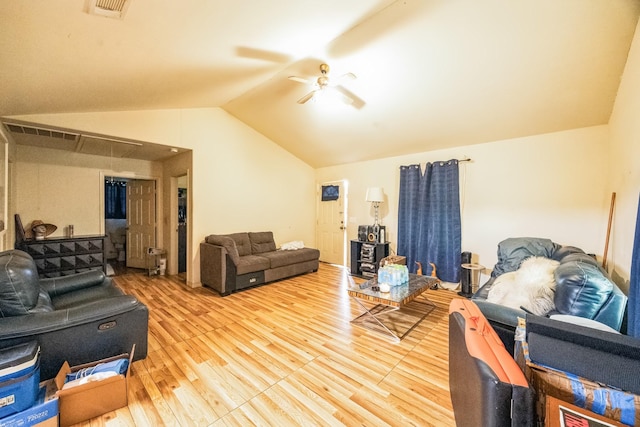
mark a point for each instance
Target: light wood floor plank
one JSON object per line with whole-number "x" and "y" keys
{"x": 282, "y": 354}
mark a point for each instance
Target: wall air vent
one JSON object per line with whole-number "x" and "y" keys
{"x": 109, "y": 8}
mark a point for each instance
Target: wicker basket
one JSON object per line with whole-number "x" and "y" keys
{"x": 393, "y": 259}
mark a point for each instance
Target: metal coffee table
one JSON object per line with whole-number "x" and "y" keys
{"x": 394, "y": 300}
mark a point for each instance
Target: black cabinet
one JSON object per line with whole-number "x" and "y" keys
{"x": 61, "y": 256}
{"x": 366, "y": 257}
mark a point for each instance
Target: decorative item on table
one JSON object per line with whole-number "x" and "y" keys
{"x": 393, "y": 274}
{"x": 384, "y": 287}
{"x": 41, "y": 230}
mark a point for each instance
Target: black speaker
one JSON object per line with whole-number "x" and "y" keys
{"x": 465, "y": 276}
{"x": 362, "y": 233}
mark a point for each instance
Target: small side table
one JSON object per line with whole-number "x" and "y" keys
{"x": 473, "y": 284}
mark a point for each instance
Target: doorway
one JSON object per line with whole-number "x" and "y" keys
{"x": 332, "y": 214}
{"x": 129, "y": 222}
{"x": 141, "y": 221}
{"x": 115, "y": 223}
{"x": 182, "y": 224}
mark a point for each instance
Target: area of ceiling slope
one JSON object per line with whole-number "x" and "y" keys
{"x": 431, "y": 73}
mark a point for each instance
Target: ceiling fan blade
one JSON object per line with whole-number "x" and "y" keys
{"x": 350, "y": 98}
{"x": 263, "y": 55}
{"x": 300, "y": 80}
{"x": 346, "y": 76}
{"x": 307, "y": 97}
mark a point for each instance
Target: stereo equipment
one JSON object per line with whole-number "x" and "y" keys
{"x": 368, "y": 252}
{"x": 372, "y": 234}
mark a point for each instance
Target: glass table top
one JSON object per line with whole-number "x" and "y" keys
{"x": 397, "y": 295}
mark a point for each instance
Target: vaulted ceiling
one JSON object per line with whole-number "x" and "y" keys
{"x": 430, "y": 74}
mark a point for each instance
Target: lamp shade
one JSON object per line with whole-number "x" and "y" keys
{"x": 375, "y": 194}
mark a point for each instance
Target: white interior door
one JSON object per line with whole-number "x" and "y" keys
{"x": 331, "y": 231}
{"x": 141, "y": 221}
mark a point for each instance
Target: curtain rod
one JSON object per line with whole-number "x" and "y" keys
{"x": 459, "y": 161}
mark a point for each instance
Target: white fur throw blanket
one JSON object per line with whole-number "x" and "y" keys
{"x": 531, "y": 287}
{"x": 292, "y": 246}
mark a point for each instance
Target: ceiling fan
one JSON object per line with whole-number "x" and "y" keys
{"x": 323, "y": 82}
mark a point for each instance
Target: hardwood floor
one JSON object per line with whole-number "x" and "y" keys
{"x": 283, "y": 354}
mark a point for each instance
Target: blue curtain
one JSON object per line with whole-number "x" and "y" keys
{"x": 429, "y": 229}
{"x": 115, "y": 199}
{"x": 408, "y": 214}
{"x": 633, "y": 325}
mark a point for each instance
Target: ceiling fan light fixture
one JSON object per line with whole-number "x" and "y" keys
{"x": 323, "y": 82}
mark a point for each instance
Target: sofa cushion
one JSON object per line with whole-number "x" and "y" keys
{"x": 566, "y": 251}
{"x": 512, "y": 251}
{"x": 262, "y": 242}
{"x": 226, "y": 242}
{"x": 281, "y": 258}
{"x": 581, "y": 257}
{"x": 242, "y": 243}
{"x": 581, "y": 289}
{"x": 252, "y": 263}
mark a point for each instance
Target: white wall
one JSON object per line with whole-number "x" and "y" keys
{"x": 65, "y": 188}
{"x": 241, "y": 181}
{"x": 625, "y": 165}
{"x": 551, "y": 186}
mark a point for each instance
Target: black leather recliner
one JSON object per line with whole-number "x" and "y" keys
{"x": 583, "y": 287}
{"x": 78, "y": 318}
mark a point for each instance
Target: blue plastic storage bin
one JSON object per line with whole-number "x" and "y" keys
{"x": 19, "y": 377}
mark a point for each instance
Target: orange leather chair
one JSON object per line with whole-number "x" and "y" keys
{"x": 487, "y": 386}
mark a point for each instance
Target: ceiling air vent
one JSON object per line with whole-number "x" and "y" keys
{"x": 50, "y": 133}
{"x": 109, "y": 8}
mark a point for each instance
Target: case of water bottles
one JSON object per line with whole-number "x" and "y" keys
{"x": 393, "y": 274}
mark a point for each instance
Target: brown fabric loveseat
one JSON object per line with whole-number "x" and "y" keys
{"x": 232, "y": 262}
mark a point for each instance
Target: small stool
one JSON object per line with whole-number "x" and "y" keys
{"x": 154, "y": 260}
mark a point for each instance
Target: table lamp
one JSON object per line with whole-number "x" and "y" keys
{"x": 375, "y": 195}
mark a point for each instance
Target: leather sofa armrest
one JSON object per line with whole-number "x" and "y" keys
{"x": 40, "y": 323}
{"x": 500, "y": 314}
{"x": 504, "y": 320}
{"x": 496, "y": 313}
{"x": 61, "y": 285}
{"x": 614, "y": 311}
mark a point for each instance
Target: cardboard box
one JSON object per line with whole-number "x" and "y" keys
{"x": 612, "y": 404}
{"x": 94, "y": 398}
{"x": 561, "y": 414}
{"x": 44, "y": 413}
